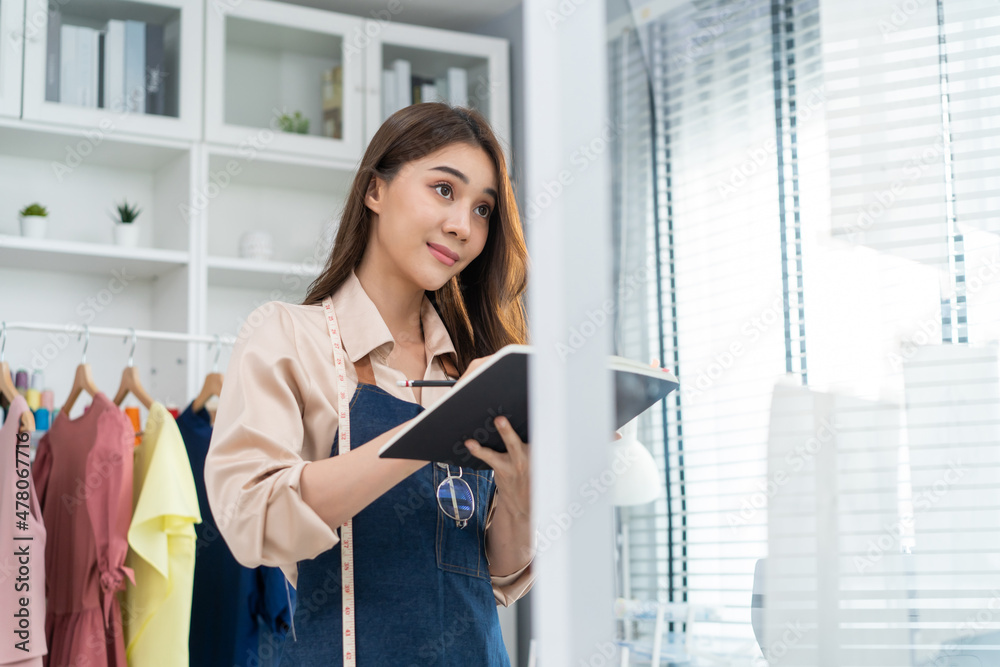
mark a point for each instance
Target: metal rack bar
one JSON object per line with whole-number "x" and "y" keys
{"x": 115, "y": 331}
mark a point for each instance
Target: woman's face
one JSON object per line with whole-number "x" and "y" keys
{"x": 432, "y": 220}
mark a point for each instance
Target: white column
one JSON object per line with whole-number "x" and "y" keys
{"x": 567, "y": 214}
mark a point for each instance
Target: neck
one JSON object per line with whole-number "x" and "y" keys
{"x": 398, "y": 302}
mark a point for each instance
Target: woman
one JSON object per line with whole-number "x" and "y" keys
{"x": 425, "y": 278}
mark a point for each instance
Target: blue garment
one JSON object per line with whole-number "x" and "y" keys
{"x": 423, "y": 590}
{"x": 232, "y": 606}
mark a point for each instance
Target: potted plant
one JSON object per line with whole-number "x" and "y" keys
{"x": 298, "y": 123}
{"x": 33, "y": 219}
{"x": 126, "y": 231}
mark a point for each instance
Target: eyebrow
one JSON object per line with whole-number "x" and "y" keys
{"x": 465, "y": 179}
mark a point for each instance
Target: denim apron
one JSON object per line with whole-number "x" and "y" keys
{"x": 422, "y": 584}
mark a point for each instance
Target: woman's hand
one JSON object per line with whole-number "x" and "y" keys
{"x": 512, "y": 469}
{"x": 474, "y": 364}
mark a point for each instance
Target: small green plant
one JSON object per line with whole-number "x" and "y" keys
{"x": 127, "y": 214}
{"x": 34, "y": 209}
{"x": 297, "y": 123}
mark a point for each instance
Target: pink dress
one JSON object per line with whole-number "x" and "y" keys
{"x": 22, "y": 565}
{"x": 83, "y": 469}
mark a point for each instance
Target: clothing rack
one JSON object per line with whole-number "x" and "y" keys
{"x": 83, "y": 329}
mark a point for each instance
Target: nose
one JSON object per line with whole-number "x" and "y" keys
{"x": 459, "y": 223}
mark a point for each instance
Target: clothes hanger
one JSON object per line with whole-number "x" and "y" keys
{"x": 7, "y": 388}
{"x": 83, "y": 380}
{"x": 131, "y": 383}
{"x": 213, "y": 381}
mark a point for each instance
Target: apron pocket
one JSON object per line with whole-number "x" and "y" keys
{"x": 463, "y": 550}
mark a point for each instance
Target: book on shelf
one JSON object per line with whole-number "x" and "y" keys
{"x": 67, "y": 68}
{"x": 388, "y": 93}
{"x": 53, "y": 61}
{"x": 169, "y": 79}
{"x": 78, "y": 65}
{"x": 121, "y": 66}
{"x": 135, "y": 65}
{"x": 404, "y": 93}
{"x": 333, "y": 102}
{"x": 458, "y": 87}
{"x": 401, "y": 87}
{"x": 422, "y": 89}
{"x": 155, "y": 70}
{"x": 114, "y": 65}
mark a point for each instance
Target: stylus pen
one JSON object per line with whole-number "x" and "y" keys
{"x": 425, "y": 383}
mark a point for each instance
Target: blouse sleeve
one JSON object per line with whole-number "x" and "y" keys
{"x": 41, "y": 468}
{"x": 254, "y": 461}
{"x": 110, "y": 505}
{"x": 509, "y": 588}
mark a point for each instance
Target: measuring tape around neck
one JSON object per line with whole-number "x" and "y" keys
{"x": 346, "y": 529}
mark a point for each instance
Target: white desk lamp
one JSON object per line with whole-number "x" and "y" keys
{"x": 637, "y": 479}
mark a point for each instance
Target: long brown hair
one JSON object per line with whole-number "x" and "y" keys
{"x": 482, "y": 307}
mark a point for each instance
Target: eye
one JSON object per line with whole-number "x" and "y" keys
{"x": 446, "y": 187}
{"x": 485, "y": 210}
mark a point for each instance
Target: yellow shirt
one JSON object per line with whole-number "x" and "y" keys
{"x": 157, "y": 611}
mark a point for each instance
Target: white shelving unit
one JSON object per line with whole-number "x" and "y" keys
{"x": 431, "y": 52}
{"x": 203, "y": 178}
{"x": 11, "y": 59}
{"x": 182, "y": 76}
{"x": 266, "y": 59}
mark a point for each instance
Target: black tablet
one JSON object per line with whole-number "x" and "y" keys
{"x": 500, "y": 387}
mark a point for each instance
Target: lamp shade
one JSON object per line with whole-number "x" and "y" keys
{"x": 637, "y": 480}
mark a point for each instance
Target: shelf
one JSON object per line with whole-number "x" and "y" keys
{"x": 275, "y": 170}
{"x": 266, "y": 58}
{"x": 90, "y": 258}
{"x": 431, "y": 52}
{"x": 259, "y": 274}
{"x": 11, "y": 59}
{"x": 180, "y": 77}
{"x": 24, "y": 138}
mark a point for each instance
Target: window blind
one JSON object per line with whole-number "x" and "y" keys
{"x": 777, "y": 130}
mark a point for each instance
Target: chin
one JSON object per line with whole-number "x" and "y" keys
{"x": 432, "y": 281}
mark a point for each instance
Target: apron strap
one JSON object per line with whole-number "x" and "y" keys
{"x": 363, "y": 366}
{"x": 449, "y": 367}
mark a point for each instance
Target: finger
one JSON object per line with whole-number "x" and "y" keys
{"x": 515, "y": 446}
{"x": 487, "y": 455}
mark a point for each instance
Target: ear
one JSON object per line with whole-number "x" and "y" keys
{"x": 373, "y": 196}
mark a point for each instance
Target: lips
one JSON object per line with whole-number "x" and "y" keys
{"x": 444, "y": 251}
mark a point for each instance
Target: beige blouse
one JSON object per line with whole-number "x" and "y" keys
{"x": 278, "y": 411}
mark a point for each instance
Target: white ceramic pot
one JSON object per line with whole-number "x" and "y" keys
{"x": 127, "y": 234}
{"x": 256, "y": 245}
{"x": 33, "y": 226}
